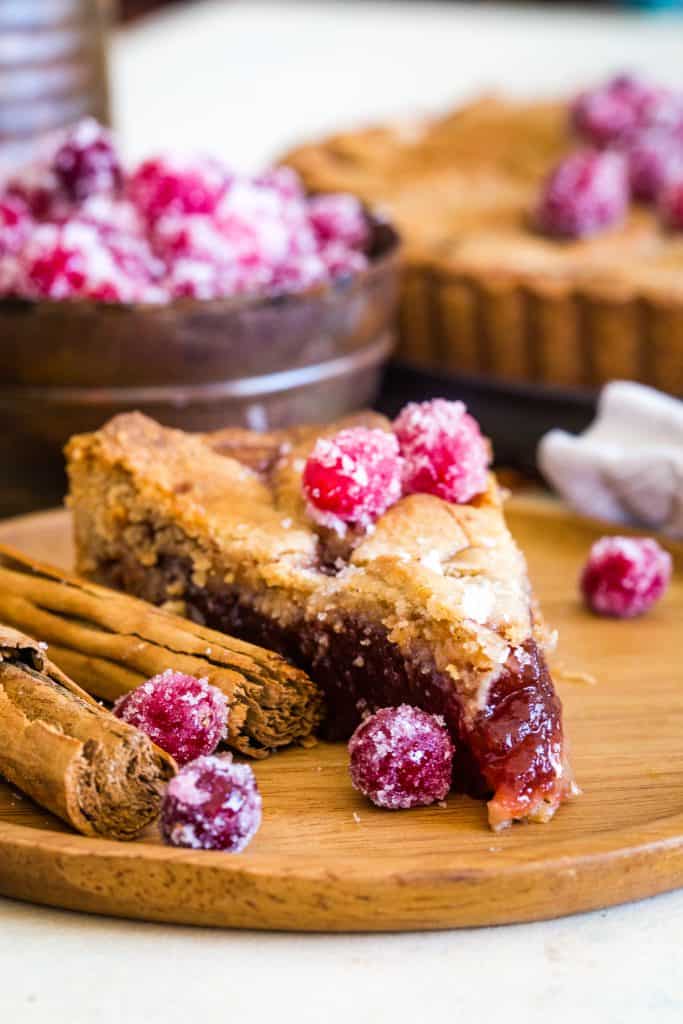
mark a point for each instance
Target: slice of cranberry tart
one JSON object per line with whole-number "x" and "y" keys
{"x": 374, "y": 555}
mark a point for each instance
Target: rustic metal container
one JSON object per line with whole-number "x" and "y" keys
{"x": 53, "y": 69}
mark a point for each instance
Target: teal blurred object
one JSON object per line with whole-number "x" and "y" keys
{"x": 656, "y": 5}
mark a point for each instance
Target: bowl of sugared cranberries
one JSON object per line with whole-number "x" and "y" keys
{"x": 180, "y": 287}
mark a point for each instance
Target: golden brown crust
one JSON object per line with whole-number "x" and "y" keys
{"x": 483, "y": 292}
{"x": 449, "y": 576}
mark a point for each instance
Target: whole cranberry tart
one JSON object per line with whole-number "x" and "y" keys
{"x": 543, "y": 239}
{"x": 374, "y": 555}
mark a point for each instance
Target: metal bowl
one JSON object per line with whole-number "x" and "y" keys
{"x": 260, "y": 362}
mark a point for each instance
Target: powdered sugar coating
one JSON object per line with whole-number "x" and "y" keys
{"x": 212, "y": 804}
{"x": 443, "y": 449}
{"x": 185, "y": 716}
{"x": 602, "y": 115}
{"x": 587, "y": 192}
{"x": 655, "y": 158}
{"x": 352, "y": 477}
{"x": 15, "y": 223}
{"x": 338, "y": 218}
{"x": 86, "y": 163}
{"x": 671, "y": 205}
{"x": 73, "y": 260}
{"x": 625, "y": 576}
{"x": 401, "y": 757}
{"x": 174, "y": 184}
{"x": 174, "y": 228}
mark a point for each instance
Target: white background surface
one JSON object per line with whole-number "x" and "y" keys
{"x": 246, "y": 80}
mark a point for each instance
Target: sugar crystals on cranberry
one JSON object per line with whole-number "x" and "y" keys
{"x": 172, "y": 185}
{"x": 586, "y": 193}
{"x": 401, "y": 757}
{"x": 353, "y": 477}
{"x": 443, "y": 450}
{"x": 86, "y": 163}
{"x": 212, "y": 804}
{"x": 175, "y": 227}
{"x": 186, "y": 717}
{"x": 671, "y": 205}
{"x": 602, "y": 115}
{"x": 625, "y": 576}
{"x": 655, "y": 158}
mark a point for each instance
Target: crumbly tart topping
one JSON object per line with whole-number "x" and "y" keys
{"x": 443, "y": 585}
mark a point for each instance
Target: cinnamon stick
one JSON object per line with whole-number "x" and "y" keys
{"x": 110, "y": 643}
{"x": 69, "y": 754}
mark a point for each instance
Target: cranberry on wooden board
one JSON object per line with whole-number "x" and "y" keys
{"x": 184, "y": 716}
{"x": 212, "y": 804}
{"x": 625, "y": 576}
{"x": 401, "y": 757}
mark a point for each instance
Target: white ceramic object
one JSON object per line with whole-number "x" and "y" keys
{"x": 627, "y": 466}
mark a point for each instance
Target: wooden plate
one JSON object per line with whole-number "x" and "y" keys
{"x": 327, "y": 860}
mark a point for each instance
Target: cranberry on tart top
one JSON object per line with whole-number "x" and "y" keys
{"x": 389, "y": 596}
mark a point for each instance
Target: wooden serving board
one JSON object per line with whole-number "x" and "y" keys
{"x": 325, "y": 859}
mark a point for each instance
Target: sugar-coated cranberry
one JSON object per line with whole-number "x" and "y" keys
{"x": 655, "y": 157}
{"x": 15, "y": 223}
{"x": 443, "y": 449}
{"x": 52, "y": 265}
{"x": 602, "y": 115}
{"x": 352, "y": 477}
{"x": 71, "y": 261}
{"x": 170, "y": 185}
{"x": 181, "y": 228}
{"x": 342, "y": 261}
{"x": 338, "y": 218}
{"x": 305, "y": 270}
{"x": 37, "y": 186}
{"x": 586, "y": 193}
{"x": 671, "y": 204}
{"x": 109, "y": 213}
{"x": 186, "y": 717}
{"x": 284, "y": 180}
{"x": 87, "y": 163}
{"x": 401, "y": 757}
{"x": 212, "y": 804}
{"x": 625, "y": 576}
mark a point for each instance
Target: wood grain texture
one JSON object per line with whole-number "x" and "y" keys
{"x": 327, "y": 860}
